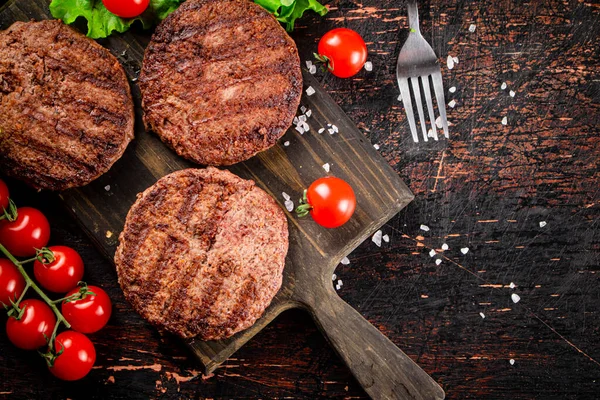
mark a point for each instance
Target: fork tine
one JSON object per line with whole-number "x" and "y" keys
{"x": 406, "y": 100}
{"x": 417, "y": 91}
{"x": 438, "y": 88}
{"x": 427, "y": 94}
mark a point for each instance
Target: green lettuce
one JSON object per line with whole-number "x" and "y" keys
{"x": 102, "y": 23}
{"x": 288, "y": 11}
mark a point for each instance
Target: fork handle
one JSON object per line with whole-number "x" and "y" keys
{"x": 413, "y": 16}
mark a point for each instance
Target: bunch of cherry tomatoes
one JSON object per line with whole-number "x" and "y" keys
{"x": 33, "y": 324}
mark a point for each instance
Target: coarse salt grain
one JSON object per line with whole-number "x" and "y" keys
{"x": 445, "y": 246}
{"x": 430, "y": 133}
{"x": 302, "y": 118}
{"x": 512, "y": 285}
{"x": 369, "y": 66}
{"x": 511, "y": 361}
{"x": 472, "y": 28}
{"x": 482, "y": 315}
{"x": 333, "y": 277}
{"x": 329, "y": 125}
{"x": 289, "y": 205}
{"x": 504, "y": 121}
{"x": 452, "y": 104}
{"x": 305, "y": 127}
{"x": 376, "y": 146}
{"x": 331, "y": 131}
{"x": 309, "y": 64}
{"x": 326, "y": 167}
{"x": 377, "y": 238}
{"x": 464, "y": 250}
{"x": 438, "y": 261}
{"x": 302, "y": 109}
{"x": 543, "y": 224}
{"x": 340, "y": 283}
{"x": 452, "y": 89}
{"x": 438, "y": 122}
{"x": 300, "y": 129}
{"x": 335, "y": 128}
{"x": 515, "y": 298}
{"x": 107, "y": 188}
{"x": 424, "y": 228}
{"x": 310, "y": 91}
{"x": 285, "y": 196}
{"x": 450, "y": 62}
{"x": 503, "y": 86}
{"x": 321, "y": 130}
{"x": 337, "y": 287}
{"x": 109, "y": 234}
{"x": 386, "y": 238}
{"x": 312, "y": 69}
{"x": 455, "y": 59}
{"x": 296, "y": 120}
{"x": 511, "y": 93}
{"x": 432, "y": 253}
{"x": 286, "y": 143}
{"x": 308, "y": 113}
{"x": 345, "y": 261}
{"x": 400, "y": 98}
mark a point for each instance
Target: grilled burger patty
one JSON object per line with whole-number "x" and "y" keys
{"x": 221, "y": 81}
{"x": 202, "y": 253}
{"x": 66, "y": 113}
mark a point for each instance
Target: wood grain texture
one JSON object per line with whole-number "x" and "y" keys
{"x": 488, "y": 189}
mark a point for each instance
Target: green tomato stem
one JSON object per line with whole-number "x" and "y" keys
{"x": 30, "y": 283}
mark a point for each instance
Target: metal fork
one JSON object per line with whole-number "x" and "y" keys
{"x": 417, "y": 62}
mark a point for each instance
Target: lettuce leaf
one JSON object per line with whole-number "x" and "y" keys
{"x": 288, "y": 11}
{"x": 102, "y": 23}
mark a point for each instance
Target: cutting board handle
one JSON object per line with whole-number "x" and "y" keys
{"x": 382, "y": 369}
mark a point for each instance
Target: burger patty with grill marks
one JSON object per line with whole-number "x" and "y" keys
{"x": 220, "y": 81}
{"x": 66, "y": 113}
{"x": 202, "y": 253}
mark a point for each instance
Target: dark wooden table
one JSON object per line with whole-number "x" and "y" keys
{"x": 522, "y": 197}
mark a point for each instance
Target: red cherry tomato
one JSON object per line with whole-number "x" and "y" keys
{"x": 77, "y": 358}
{"x": 11, "y": 282}
{"x": 28, "y": 332}
{"x": 62, "y": 274}
{"x": 90, "y": 314}
{"x": 29, "y": 231}
{"x": 4, "y": 196}
{"x": 126, "y": 8}
{"x": 345, "y": 52}
{"x": 332, "y": 201}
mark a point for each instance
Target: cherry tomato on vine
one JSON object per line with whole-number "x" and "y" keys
{"x": 37, "y": 320}
{"x": 4, "y": 196}
{"x": 77, "y": 358}
{"x": 89, "y": 314}
{"x": 126, "y": 8}
{"x": 344, "y": 52}
{"x": 29, "y": 231}
{"x": 330, "y": 201}
{"x": 11, "y": 282}
{"x": 62, "y": 274}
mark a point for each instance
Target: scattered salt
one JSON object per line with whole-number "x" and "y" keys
{"x": 511, "y": 361}
{"x": 337, "y": 287}
{"x": 335, "y": 128}
{"x": 312, "y": 69}
{"x": 376, "y": 146}
{"x": 369, "y": 66}
{"x": 305, "y": 127}
{"x": 438, "y": 261}
{"x": 424, "y": 228}
{"x": 285, "y": 195}
{"x": 504, "y": 121}
{"x": 386, "y": 238}
{"x": 329, "y": 125}
{"x": 331, "y": 131}
{"x": 300, "y": 129}
{"x": 303, "y": 109}
{"x": 286, "y": 143}
{"x": 377, "y": 238}
{"x": 321, "y": 130}
{"x": 345, "y": 261}
{"x": 512, "y": 285}
{"x": 302, "y": 118}
{"x": 452, "y": 104}
{"x": 309, "y": 64}
{"x": 464, "y": 250}
{"x": 450, "y": 62}
{"x": 107, "y": 188}
{"x": 482, "y": 315}
{"x": 326, "y": 167}
{"x": 333, "y": 277}
{"x": 340, "y": 283}
{"x": 503, "y": 86}
{"x": 310, "y": 91}
{"x": 445, "y": 246}
{"x": 452, "y": 89}
{"x": 308, "y": 113}
{"x": 455, "y": 59}
{"x": 472, "y": 28}
{"x": 432, "y": 253}
{"x": 438, "y": 122}
{"x": 543, "y": 224}
{"x": 511, "y": 93}
{"x": 515, "y": 298}
{"x": 289, "y": 205}
{"x": 296, "y": 120}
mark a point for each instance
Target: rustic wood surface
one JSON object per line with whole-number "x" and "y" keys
{"x": 488, "y": 189}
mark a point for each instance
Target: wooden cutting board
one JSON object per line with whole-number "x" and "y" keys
{"x": 101, "y": 207}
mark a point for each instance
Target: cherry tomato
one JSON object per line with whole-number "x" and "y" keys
{"x": 11, "y": 282}
{"x": 28, "y": 332}
{"x": 332, "y": 201}
{"x": 77, "y": 358}
{"x": 29, "y": 231}
{"x": 62, "y": 274}
{"x": 344, "y": 51}
{"x": 90, "y": 314}
{"x": 4, "y": 196}
{"x": 126, "y": 8}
